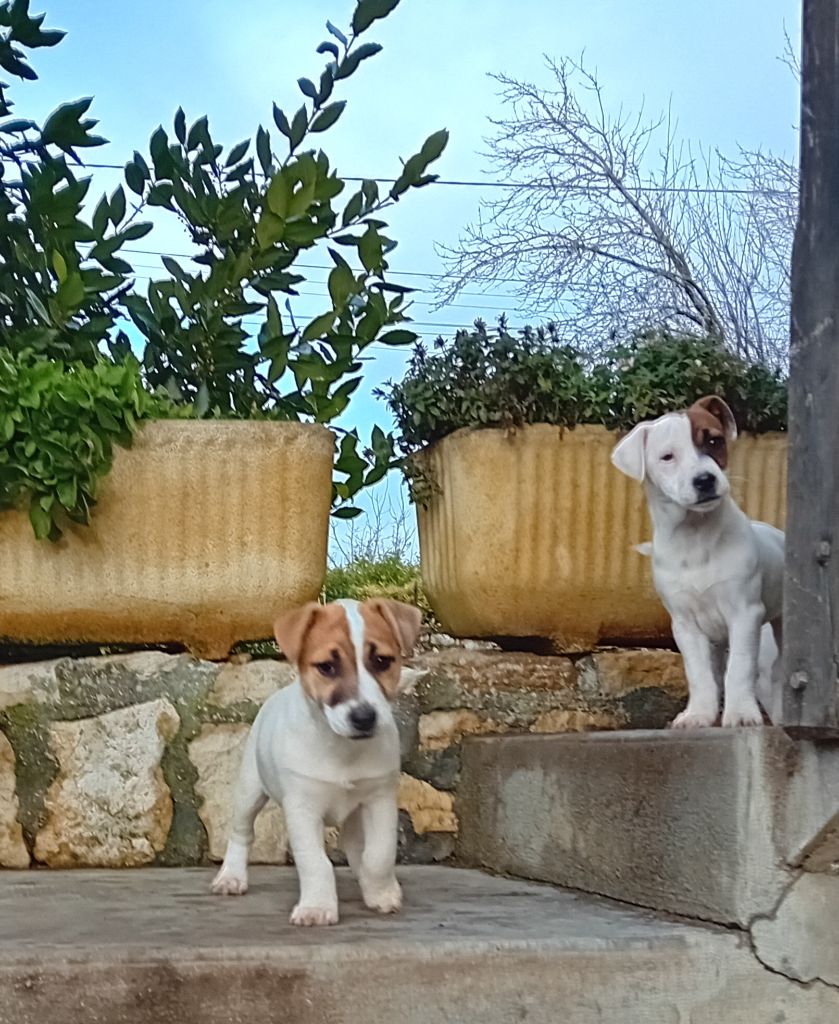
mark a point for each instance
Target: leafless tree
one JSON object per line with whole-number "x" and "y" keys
{"x": 609, "y": 225}
{"x": 385, "y": 530}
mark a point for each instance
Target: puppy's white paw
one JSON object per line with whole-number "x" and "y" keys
{"x": 694, "y": 720}
{"x": 226, "y": 883}
{"x": 745, "y": 713}
{"x": 385, "y": 899}
{"x": 308, "y": 917}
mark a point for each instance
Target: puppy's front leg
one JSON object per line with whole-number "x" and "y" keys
{"x": 741, "y": 706}
{"x": 248, "y": 800}
{"x": 703, "y": 694}
{"x": 352, "y": 841}
{"x": 377, "y": 875}
{"x": 318, "y": 903}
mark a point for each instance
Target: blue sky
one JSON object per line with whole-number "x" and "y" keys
{"x": 716, "y": 63}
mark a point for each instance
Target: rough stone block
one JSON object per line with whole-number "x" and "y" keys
{"x": 13, "y": 852}
{"x": 217, "y": 753}
{"x": 576, "y": 720}
{"x": 430, "y": 809}
{"x": 252, "y": 681}
{"x": 32, "y": 683}
{"x": 441, "y": 729}
{"x": 110, "y": 805}
{"x": 621, "y": 671}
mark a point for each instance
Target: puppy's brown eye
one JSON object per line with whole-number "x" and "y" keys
{"x": 714, "y": 442}
{"x": 380, "y": 662}
{"x": 667, "y": 457}
{"x": 327, "y": 668}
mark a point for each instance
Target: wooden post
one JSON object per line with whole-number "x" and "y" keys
{"x": 811, "y": 598}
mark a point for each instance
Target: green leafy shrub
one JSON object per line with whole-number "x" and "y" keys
{"x": 495, "y": 379}
{"x": 661, "y": 372}
{"x": 253, "y": 214}
{"x": 58, "y": 426}
{"x": 61, "y": 276}
{"x": 388, "y": 576}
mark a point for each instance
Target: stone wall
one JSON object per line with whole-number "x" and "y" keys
{"x": 129, "y": 760}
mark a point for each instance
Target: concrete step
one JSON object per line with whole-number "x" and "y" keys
{"x": 153, "y": 947}
{"x": 738, "y": 827}
{"x": 706, "y": 823}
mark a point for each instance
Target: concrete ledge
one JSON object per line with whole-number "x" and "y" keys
{"x": 801, "y": 940}
{"x": 703, "y": 824}
{"x": 154, "y": 946}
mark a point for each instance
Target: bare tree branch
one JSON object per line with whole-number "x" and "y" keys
{"x": 611, "y": 226}
{"x": 385, "y": 530}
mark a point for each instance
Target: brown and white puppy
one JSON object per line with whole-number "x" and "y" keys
{"x": 719, "y": 574}
{"x": 326, "y": 749}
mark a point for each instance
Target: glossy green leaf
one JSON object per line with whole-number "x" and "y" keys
{"x": 281, "y": 121}
{"x": 368, "y": 11}
{"x": 263, "y": 150}
{"x": 180, "y": 126}
{"x": 350, "y": 63}
{"x": 370, "y": 250}
{"x": 237, "y": 153}
{"x": 398, "y": 337}
{"x": 337, "y": 33}
{"x": 346, "y": 512}
{"x": 134, "y": 178}
{"x": 328, "y": 116}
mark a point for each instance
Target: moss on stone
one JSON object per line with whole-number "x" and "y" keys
{"x": 440, "y": 768}
{"x": 89, "y": 687}
{"x": 27, "y": 728}
{"x": 429, "y": 848}
{"x": 650, "y": 708}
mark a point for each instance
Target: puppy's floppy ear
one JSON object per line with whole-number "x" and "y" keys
{"x": 718, "y": 408}
{"x": 291, "y": 628}
{"x": 629, "y": 454}
{"x": 404, "y": 620}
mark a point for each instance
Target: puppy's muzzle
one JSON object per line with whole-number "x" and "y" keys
{"x": 363, "y": 720}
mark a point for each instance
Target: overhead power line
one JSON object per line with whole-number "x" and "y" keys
{"x": 325, "y": 266}
{"x": 543, "y": 185}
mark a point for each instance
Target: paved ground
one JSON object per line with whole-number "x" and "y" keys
{"x": 172, "y": 910}
{"x": 136, "y": 947}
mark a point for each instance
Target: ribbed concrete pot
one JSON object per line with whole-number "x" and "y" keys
{"x": 204, "y": 531}
{"x": 531, "y": 533}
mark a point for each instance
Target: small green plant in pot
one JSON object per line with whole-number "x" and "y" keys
{"x": 526, "y": 532}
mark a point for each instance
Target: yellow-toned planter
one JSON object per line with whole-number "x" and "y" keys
{"x": 203, "y": 532}
{"x": 530, "y": 533}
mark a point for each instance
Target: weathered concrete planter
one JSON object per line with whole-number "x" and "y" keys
{"x": 531, "y": 533}
{"x": 203, "y": 532}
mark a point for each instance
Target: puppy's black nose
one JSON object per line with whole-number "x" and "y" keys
{"x": 363, "y": 718}
{"x": 705, "y": 483}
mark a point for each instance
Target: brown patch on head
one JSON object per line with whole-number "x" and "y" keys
{"x": 390, "y": 632}
{"x": 317, "y": 638}
{"x": 712, "y": 427}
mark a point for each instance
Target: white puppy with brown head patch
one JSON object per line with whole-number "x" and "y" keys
{"x": 326, "y": 749}
{"x": 719, "y": 574}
